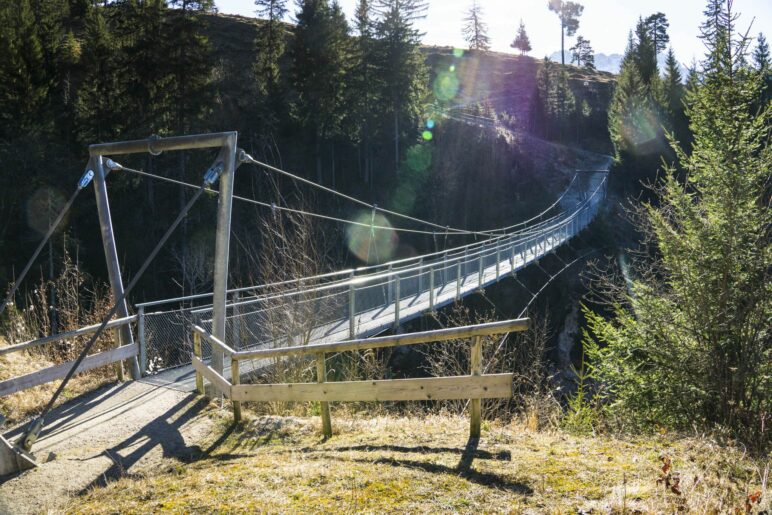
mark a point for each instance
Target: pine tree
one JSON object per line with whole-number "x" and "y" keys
{"x": 761, "y": 55}
{"x": 645, "y": 55}
{"x": 365, "y": 86}
{"x": 320, "y": 59}
{"x": 558, "y": 103}
{"x": 401, "y": 67}
{"x": 582, "y": 53}
{"x": 689, "y": 341}
{"x": 522, "y": 42}
{"x": 269, "y": 44}
{"x": 475, "y": 29}
{"x": 569, "y": 14}
{"x": 673, "y": 84}
{"x": 22, "y": 68}
{"x": 98, "y": 101}
{"x": 657, "y": 26}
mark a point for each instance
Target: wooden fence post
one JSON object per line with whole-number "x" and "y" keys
{"x": 475, "y": 404}
{"x": 118, "y": 364}
{"x": 235, "y": 379}
{"x": 321, "y": 376}
{"x": 197, "y": 353}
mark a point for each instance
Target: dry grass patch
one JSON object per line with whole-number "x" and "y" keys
{"x": 21, "y": 405}
{"x": 387, "y": 464}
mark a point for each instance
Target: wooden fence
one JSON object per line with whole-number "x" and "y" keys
{"x": 475, "y": 386}
{"x": 52, "y": 373}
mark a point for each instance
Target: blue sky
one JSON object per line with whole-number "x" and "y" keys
{"x": 605, "y": 23}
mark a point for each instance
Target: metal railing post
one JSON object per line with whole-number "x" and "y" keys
{"x": 391, "y": 286}
{"x": 431, "y": 289}
{"x": 397, "y": 295}
{"x": 458, "y": 277}
{"x": 142, "y": 341}
{"x": 352, "y": 310}
{"x": 498, "y": 259}
{"x": 420, "y": 275}
{"x": 480, "y": 268}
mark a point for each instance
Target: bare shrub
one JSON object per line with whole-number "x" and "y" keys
{"x": 80, "y": 301}
{"x": 521, "y": 354}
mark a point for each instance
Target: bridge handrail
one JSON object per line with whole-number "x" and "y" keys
{"x": 89, "y": 329}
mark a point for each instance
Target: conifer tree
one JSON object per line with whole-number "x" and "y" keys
{"x": 320, "y": 60}
{"x": 582, "y": 53}
{"x": 569, "y": 14}
{"x": 269, "y": 44}
{"x": 401, "y": 67}
{"x": 673, "y": 84}
{"x": 475, "y": 29}
{"x": 522, "y": 42}
{"x": 761, "y": 56}
{"x": 645, "y": 53}
{"x": 689, "y": 341}
{"x": 657, "y": 26}
{"x": 365, "y": 85}
{"x": 22, "y": 68}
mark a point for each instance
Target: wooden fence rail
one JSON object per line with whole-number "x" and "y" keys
{"x": 475, "y": 386}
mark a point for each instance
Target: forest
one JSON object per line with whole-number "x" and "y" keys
{"x": 650, "y": 331}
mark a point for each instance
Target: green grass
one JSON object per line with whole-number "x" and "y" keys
{"x": 397, "y": 465}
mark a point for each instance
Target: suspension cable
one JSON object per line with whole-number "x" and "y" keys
{"x": 82, "y": 183}
{"x": 36, "y": 426}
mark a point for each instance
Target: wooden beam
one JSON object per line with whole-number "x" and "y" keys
{"x": 235, "y": 379}
{"x": 324, "y": 406}
{"x": 197, "y": 354}
{"x": 424, "y": 389}
{"x": 214, "y": 341}
{"x": 475, "y": 408}
{"x": 49, "y": 374}
{"x": 219, "y": 382}
{"x": 452, "y": 333}
{"x": 89, "y": 329}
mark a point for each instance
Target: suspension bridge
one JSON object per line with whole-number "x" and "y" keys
{"x": 323, "y": 309}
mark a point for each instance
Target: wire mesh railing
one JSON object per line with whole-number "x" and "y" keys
{"x": 366, "y": 300}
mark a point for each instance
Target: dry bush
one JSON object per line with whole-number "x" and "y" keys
{"x": 80, "y": 301}
{"x": 521, "y": 354}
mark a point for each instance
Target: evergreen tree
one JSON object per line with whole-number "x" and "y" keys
{"x": 189, "y": 63}
{"x": 98, "y": 102}
{"x": 269, "y": 45}
{"x": 657, "y": 26}
{"x": 365, "y": 85}
{"x": 320, "y": 60}
{"x": 761, "y": 56}
{"x": 401, "y": 66}
{"x": 557, "y": 101}
{"x": 689, "y": 341}
{"x": 673, "y": 84}
{"x": 569, "y": 14}
{"x": 475, "y": 29}
{"x": 23, "y": 70}
{"x": 582, "y": 53}
{"x": 645, "y": 54}
{"x": 522, "y": 42}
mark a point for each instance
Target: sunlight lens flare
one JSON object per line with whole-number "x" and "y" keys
{"x": 369, "y": 245}
{"x": 43, "y": 207}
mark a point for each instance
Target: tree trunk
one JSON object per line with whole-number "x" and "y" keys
{"x": 396, "y": 142}
{"x": 562, "y": 43}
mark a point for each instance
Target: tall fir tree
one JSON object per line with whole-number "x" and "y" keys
{"x": 269, "y": 46}
{"x": 761, "y": 55}
{"x": 689, "y": 340}
{"x": 522, "y": 42}
{"x": 475, "y": 29}
{"x": 320, "y": 60}
{"x": 645, "y": 53}
{"x": 401, "y": 67}
{"x": 569, "y": 14}
{"x": 365, "y": 86}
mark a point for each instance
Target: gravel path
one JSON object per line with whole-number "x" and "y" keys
{"x": 116, "y": 431}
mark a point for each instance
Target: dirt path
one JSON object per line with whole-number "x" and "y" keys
{"x": 117, "y": 431}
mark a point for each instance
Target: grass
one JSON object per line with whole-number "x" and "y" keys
{"x": 403, "y": 464}
{"x": 22, "y": 405}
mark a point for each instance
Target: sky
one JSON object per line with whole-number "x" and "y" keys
{"x": 606, "y": 23}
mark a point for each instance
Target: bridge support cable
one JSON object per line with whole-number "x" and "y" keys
{"x": 30, "y": 436}
{"x": 82, "y": 183}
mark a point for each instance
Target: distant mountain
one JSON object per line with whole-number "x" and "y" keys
{"x": 612, "y": 63}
